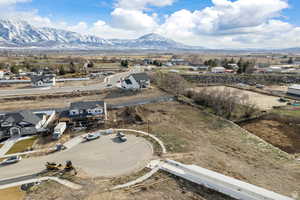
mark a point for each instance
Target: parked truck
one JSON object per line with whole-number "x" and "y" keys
{"x": 59, "y": 130}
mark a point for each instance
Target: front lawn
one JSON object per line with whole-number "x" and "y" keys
{"x": 22, "y": 146}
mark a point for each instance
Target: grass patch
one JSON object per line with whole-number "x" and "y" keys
{"x": 14, "y": 193}
{"x": 22, "y": 146}
{"x": 286, "y": 112}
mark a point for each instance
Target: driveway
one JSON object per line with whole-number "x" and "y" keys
{"x": 105, "y": 157}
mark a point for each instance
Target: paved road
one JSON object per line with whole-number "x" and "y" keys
{"x": 104, "y": 157}
{"x": 34, "y": 91}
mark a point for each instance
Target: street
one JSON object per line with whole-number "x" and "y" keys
{"x": 113, "y": 80}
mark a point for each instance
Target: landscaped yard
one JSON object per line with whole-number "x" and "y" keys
{"x": 22, "y": 146}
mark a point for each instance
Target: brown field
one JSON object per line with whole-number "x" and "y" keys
{"x": 14, "y": 193}
{"x": 263, "y": 102}
{"x": 192, "y": 136}
{"x": 112, "y": 97}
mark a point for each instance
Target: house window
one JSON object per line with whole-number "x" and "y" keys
{"x": 73, "y": 112}
{"x": 128, "y": 82}
{"x": 99, "y": 111}
{"x": 14, "y": 132}
{"x": 6, "y": 124}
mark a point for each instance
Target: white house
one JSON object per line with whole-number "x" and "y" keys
{"x": 1, "y": 74}
{"x": 136, "y": 81}
{"x": 85, "y": 109}
{"x": 294, "y": 90}
{"x": 45, "y": 80}
{"x": 218, "y": 70}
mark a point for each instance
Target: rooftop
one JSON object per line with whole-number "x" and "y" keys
{"x": 87, "y": 104}
{"x": 26, "y": 116}
{"x": 295, "y": 87}
{"x": 140, "y": 76}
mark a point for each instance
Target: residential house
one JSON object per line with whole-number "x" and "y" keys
{"x": 21, "y": 124}
{"x": 294, "y": 90}
{"x": 218, "y": 70}
{"x": 83, "y": 110}
{"x": 1, "y": 74}
{"x": 136, "y": 81}
{"x": 44, "y": 80}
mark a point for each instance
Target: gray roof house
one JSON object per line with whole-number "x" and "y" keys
{"x": 86, "y": 109}
{"x": 136, "y": 81}
{"x": 44, "y": 80}
{"x": 21, "y": 123}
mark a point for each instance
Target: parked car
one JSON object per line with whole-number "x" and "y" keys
{"x": 59, "y": 130}
{"x": 122, "y": 137}
{"x": 120, "y": 134}
{"x": 12, "y": 160}
{"x": 92, "y": 136}
{"x": 259, "y": 86}
{"x": 109, "y": 85}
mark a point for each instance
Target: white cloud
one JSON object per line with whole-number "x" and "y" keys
{"x": 102, "y": 29}
{"x": 81, "y": 27}
{"x": 240, "y": 23}
{"x": 133, "y": 20}
{"x": 142, "y": 4}
{"x": 12, "y": 2}
{"x": 225, "y": 24}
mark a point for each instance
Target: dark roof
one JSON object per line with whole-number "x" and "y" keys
{"x": 44, "y": 77}
{"x": 86, "y": 104}
{"x": 26, "y": 116}
{"x": 140, "y": 77}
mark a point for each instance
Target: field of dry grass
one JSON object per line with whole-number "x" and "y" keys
{"x": 13, "y": 193}
{"x": 263, "y": 102}
{"x": 217, "y": 145}
{"x": 111, "y": 97}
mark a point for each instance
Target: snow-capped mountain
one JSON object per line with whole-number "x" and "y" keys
{"x": 150, "y": 41}
{"x": 21, "y": 34}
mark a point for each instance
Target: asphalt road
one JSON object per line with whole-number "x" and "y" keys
{"x": 105, "y": 157}
{"x": 36, "y": 91}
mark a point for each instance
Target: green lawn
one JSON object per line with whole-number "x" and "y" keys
{"x": 22, "y": 146}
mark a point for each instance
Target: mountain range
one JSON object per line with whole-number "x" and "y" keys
{"x": 20, "y": 34}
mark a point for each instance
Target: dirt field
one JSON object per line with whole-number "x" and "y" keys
{"x": 58, "y": 84}
{"x": 112, "y": 97}
{"x": 217, "y": 145}
{"x": 283, "y": 88}
{"x": 281, "y": 135}
{"x": 263, "y": 102}
{"x": 14, "y": 193}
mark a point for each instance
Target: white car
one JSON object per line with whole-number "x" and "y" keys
{"x": 92, "y": 136}
{"x": 122, "y": 137}
{"x": 11, "y": 160}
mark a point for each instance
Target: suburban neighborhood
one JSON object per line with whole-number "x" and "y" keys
{"x": 150, "y": 100}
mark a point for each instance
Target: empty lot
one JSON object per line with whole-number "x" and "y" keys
{"x": 263, "y": 102}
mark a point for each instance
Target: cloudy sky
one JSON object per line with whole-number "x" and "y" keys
{"x": 208, "y": 23}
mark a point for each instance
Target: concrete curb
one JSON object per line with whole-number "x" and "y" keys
{"x": 66, "y": 183}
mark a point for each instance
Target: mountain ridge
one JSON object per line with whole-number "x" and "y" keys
{"x": 21, "y": 34}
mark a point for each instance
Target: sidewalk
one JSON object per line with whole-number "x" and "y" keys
{"x": 7, "y": 145}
